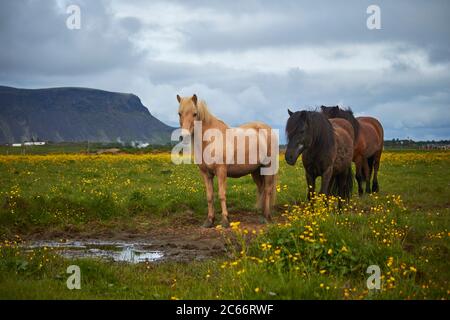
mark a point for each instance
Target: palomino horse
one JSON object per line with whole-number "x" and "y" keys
{"x": 369, "y": 135}
{"x": 326, "y": 147}
{"x": 191, "y": 111}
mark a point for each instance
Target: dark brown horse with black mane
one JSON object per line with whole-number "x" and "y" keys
{"x": 369, "y": 135}
{"x": 326, "y": 147}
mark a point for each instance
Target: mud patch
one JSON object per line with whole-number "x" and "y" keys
{"x": 134, "y": 251}
{"x": 180, "y": 242}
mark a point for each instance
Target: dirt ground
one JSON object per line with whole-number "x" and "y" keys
{"x": 182, "y": 239}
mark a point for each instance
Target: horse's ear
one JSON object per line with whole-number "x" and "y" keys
{"x": 194, "y": 99}
{"x": 290, "y": 112}
{"x": 178, "y": 98}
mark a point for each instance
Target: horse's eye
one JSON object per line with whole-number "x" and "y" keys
{"x": 195, "y": 114}
{"x": 179, "y": 113}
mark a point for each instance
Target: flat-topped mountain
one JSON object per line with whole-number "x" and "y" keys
{"x": 76, "y": 114}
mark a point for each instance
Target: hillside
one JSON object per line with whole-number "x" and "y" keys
{"x": 76, "y": 114}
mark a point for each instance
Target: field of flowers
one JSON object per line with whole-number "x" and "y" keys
{"x": 312, "y": 251}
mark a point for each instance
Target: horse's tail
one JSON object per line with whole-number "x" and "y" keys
{"x": 370, "y": 163}
{"x": 342, "y": 184}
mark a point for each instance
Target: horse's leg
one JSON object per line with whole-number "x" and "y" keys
{"x": 359, "y": 174}
{"x": 209, "y": 184}
{"x": 311, "y": 181}
{"x": 325, "y": 186}
{"x": 340, "y": 181}
{"x": 376, "y": 166}
{"x": 269, "y": 180}
{"x": 345, "y": 185}
{"x": 326, "y": 178}
{"x": 221, "y": 173}
{"x": 258, "y": 179}
{"x": 367, "y": 171}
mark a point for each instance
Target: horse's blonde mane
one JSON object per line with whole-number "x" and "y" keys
{"x": 203, "y": 113}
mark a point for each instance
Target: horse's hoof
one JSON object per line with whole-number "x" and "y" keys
{"x": 225, "y": 223}
{"x": 208, "y": 224}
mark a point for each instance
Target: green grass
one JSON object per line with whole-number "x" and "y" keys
{"x": 87, "y": 193}
{"x": 77, "y": 147}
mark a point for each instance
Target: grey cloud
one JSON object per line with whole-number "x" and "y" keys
{"x": 408, "y": 100}
{"x": 424, "y": 24}
{"x": 131, "y": 24}
{"x": 36, "y": 41}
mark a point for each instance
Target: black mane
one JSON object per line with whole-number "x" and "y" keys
{"x": 346, "y": 114}
{"x": 349, "y": 116}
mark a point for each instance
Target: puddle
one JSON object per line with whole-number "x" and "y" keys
{"x": 109, "y": 250}
{"x": 168, "y": 247}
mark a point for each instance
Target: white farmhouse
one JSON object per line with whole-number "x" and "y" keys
{"x": 34, "y": 143}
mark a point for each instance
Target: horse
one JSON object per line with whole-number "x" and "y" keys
{"x": 326, "y": 147}
{"x": 369, "y": 135}
{"x": 192, "y": 110}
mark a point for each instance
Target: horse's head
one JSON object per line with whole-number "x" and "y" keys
{"x": 187, "y": 112}
{"x": 330, "y": 112}
{"x": 299, "y": 135}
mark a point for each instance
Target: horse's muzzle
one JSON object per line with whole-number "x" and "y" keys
{"x": 291, "y": 157}
{"x": 290, "y": 160}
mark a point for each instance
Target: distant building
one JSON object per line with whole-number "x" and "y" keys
{"x": 435, "y": 146}
{"x": 16, "y": 144}
{"x": 34, "y": 143}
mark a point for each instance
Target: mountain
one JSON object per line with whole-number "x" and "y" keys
{"x": 76, "y": 114}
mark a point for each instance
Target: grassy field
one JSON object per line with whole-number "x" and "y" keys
{"x": 311, "y": 252}
{"x": 76, "y": 147}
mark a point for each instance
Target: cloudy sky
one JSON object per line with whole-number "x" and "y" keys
{"x": 249, "y": 60}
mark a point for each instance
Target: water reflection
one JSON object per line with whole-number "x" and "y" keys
{"x": 117, "y": 251}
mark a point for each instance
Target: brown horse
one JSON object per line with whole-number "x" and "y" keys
{"x": 368, "y": 145}
{"x": 225, "y": 154}
{"x": 327, "y": 149}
